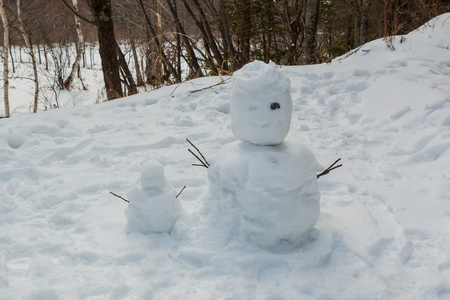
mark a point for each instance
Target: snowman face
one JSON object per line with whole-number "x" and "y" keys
{"x": 261, "y": 116}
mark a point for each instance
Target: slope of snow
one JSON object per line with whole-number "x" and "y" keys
{"x": 385, "y": 215}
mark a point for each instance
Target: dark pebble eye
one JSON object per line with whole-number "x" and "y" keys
{"x": 274, "y": 106}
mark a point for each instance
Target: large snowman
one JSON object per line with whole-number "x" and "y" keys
{"x": 267, "y": 182}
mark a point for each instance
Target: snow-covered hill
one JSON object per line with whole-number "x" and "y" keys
{"x": 385, "y": 215}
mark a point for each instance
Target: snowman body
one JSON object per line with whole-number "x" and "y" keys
{"x": 268, "y": 182}
{"x": 153, "y": 206}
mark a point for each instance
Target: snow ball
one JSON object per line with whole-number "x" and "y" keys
{"x": 261, "y": 104}
{"x": 152, "y": 175}
{"x": 17, "y": 137}
{"x": 270, "y": 192}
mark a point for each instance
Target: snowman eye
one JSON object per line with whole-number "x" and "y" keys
{"x": 274, "y": 106}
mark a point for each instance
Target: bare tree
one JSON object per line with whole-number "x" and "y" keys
{"x": 27, "y": 40}
{"x": 295, "y": 29}
{"x": 155, "y": 37}
{"x": 101, "y": 11}
{"x": 193, "y": 62}
{"x": 245, "y": 30}
{"x": 140, "y": 81}
{"x": 202, "y": 23}
{"x": 361, "y": 19}
{"x": 311, "y": 18}
{"x": 80, "y": 48}
{"x": 5, "y": 58}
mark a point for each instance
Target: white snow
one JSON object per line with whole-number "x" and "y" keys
{"x": 384, "y": 226}
{"x": 261, "y": 104}
{"x": 153, "y": 205}
{"x": 267, "y": 194}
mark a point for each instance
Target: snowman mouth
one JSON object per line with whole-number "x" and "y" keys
{"x": 261, "y": 124}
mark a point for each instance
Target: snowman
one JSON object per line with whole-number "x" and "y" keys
{"x": 153, "y": 206}
{"x": 266, "y": 182}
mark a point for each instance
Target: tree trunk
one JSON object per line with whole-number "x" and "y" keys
{"x": 139, "y": 80}
{"x": 311, "y": 19}
{"x": 357, "y": 21}
{"x": 101, "y": 10}
{"x": 33, "y": 59}
{"x": 39, "y": 53}
{"x": 361, "y": 21}
{"x": 128, "y": 78}
{"x": 5, "y": 58}
{"x": 178, "y": 50}
{"x": 80, "y": 49}
{"x": 158, "y": 44}
{"x": 208, "y": 38}
{"x": 245, "y": 30}
{"x": 227, "y": 37}
{"x": 12, "y": 59}
{"x": 364, "y": 21}
{"x": 46, "y": 58}
{"x": 191, "y": 53}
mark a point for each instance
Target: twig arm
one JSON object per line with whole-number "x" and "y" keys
{"x": 180, "y": 192}
{"x": 330, "y": 168}
{"x": 128, "y": 201}
{"x": 198, "y": 152}
{"x": 203, "y": 161}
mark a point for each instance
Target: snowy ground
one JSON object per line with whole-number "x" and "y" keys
{"x": 385, "y": 215}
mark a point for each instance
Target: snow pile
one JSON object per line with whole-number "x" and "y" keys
{"x": 153, "y": 204}
{"x": 384, "y": 216}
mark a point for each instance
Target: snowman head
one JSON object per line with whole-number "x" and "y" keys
{"x": 152, "y": 176}
{"x": 261, "y": 104}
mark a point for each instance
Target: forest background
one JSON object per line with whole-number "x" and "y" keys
{"x": 149, "y": 43}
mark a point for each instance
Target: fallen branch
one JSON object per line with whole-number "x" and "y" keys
{"x": 180, "y": 191}
{"x": 351, "y": 53}
{"x": 330, "y": 168}
{"x": 120, "y": 197}
{"x": 211, "y": 86}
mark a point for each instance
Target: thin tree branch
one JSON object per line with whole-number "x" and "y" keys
{"x": 211, "y": 86}
{"x": 76, "y": 13}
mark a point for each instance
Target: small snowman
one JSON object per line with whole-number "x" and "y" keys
{"x": 153, "y": 206}
{"x": 268, "y": 182}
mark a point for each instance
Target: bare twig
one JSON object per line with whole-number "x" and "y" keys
{"x": 203, "y": 163}
{"x": 176, "y": 88}
{"x": 180, "y": 191}
{"x": 330, "y": 168}
{"x": 351, "y": 53}
{"x": 198, "y": 152}
{"x": 120, "y": 197}
{"x": 211, "y": 86}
